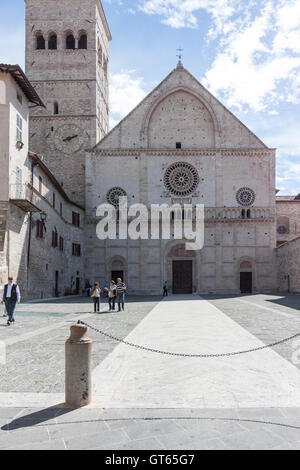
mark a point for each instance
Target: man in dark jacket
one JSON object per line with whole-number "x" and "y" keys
{"x": 10, "y": 296}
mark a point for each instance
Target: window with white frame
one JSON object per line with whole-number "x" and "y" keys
{"x": 19, "y": 128}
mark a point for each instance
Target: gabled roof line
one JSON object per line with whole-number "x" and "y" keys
{"x": 22, "y": 81}
{"x": 158, "y": 86}
{"x": 39, "y": 160}
{"x": 226, "y": 109}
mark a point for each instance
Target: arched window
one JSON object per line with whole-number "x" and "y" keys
{"x": 52, "y": 44}
{"x": 70, "y": 41}
{"x": 40, "y": 42}
{"x": 248, "y": 214}
{"x": 82, "y": 43}
{"x": 243, "y": 213}
{"x": 55, "y": 108}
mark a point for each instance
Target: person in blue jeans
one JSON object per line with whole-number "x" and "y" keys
{"x": 121, "y": 289}
{"x": 10, "y": 297}
{"x": 111, "y": 294}
{"x": 95, "y": 294}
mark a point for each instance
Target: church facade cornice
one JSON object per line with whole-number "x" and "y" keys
{"x": 183, "y": 152}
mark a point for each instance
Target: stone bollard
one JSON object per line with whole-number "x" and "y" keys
{"x": 78, "y": 368}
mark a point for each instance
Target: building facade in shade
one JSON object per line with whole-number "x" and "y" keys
{"x": 67, "y": 62}
{"x": 181, "y": 145}
{"x": 41, "y": 230}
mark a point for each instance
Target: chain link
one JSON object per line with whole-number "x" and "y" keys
{"x": 201, "y": 356}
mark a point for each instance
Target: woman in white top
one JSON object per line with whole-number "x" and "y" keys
{"x": 95, "y": 294}
{"x": 112, "y": 294}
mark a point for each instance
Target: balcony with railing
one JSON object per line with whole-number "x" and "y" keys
{"x": 22, "y": 196}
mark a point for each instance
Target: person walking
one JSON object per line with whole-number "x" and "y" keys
{"x": 111, "y": 295}
{"x": 166, "y": 289}
{"x": 95, "y": 294}
{"x": 121, "y": 289}
{"x": 10, "y": 296}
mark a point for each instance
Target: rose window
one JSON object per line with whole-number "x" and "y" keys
{"x": 114, "y": 195}
{"x": 181, "y": 179}
{"x": 245, "y": 197}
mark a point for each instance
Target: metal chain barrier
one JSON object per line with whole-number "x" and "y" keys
{"x": 201, "y": 356}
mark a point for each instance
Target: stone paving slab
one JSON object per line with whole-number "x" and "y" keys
{"x": 86, "y": 429}
{"x": 194, "y": 326}
{"x": 268, "y": 317}
{"x": 33, "y": 425}
{"x": 27, "y": 355}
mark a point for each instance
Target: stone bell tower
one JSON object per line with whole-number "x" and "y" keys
{"x": 67, "y": 55}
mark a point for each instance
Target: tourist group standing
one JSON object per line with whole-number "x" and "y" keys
{"x": 115, "y": 293}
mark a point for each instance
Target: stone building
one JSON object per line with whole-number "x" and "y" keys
{"x": 288, "y": 218}
{"x": 288, "y": 243}
{"x": 16, "y": 94}
{"x": 288, "y": 266}
{"x": 41, "y": 230}
{"x": 67, "y": 63}
{"x": 181, "y": 145}
{"x": 56, "y": 247}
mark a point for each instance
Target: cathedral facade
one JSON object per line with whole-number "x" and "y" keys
{"x": 182, "y": 146}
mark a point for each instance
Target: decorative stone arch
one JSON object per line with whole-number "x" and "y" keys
{"x": 117, "y": 263}
{"x": 36, "y": 41}
{"x": 246, "y": 264}
{"x": 68, "y": 33}
{"x": 162, "y": 97}
{"x": 175, "y": 251}
{"x": 84, "y": 44}
{"x": 51, "y": 35}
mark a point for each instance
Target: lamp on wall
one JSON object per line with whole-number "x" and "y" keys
{"x": 43, "y": 217}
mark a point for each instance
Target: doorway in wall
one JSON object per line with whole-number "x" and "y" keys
{"x": 116, "y": 274}
{"x": 246, "y": 283}
{"x": 183, "y": 277}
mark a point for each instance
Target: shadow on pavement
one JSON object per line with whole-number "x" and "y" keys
{"x": 38, "y": 417}
{"x": 289, "y": 301}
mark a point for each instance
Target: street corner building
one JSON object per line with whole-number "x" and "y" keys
{"x": 179, "y": 145}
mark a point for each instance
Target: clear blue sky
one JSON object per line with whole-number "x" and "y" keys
{"x": 247, "y": 52}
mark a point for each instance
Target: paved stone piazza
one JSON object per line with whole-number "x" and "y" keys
{"x": 250, "y": 401}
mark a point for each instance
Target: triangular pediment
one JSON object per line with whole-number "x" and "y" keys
{"x": 180, "y": 111}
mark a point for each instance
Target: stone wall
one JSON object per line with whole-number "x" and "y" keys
{"x": 14, "y": 176}
{"x": 288, "y": 219}
{"x": 76, "y": 80}
{"x": 288, "y": 267}
{"x": 46, "y": 260}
